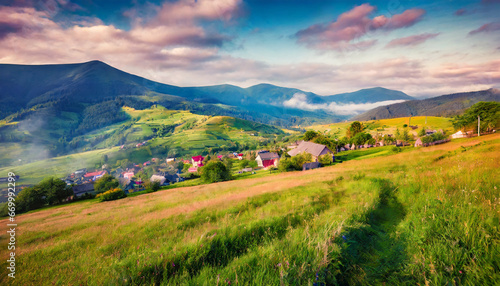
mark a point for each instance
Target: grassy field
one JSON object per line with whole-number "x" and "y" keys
{"x": 426, "y": 216}
{"x": 190, "y": 134}
{"x": 388, "y": 126}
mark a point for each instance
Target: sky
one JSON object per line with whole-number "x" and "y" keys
{"x": 423, "y": 48}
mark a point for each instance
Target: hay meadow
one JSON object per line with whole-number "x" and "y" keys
{"x": 423, "y": 216}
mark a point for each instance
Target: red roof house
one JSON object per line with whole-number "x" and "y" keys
{"x": 94, "y": 175}
{"x": 197, "y": 161}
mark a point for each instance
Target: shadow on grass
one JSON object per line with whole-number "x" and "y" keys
{"x": 220, "y": 248}
{"x": 372, "y": 253}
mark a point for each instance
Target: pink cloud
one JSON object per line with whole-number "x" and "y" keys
{"x": 352, "y": 25}
{"x": 486, "y": 28}
{"x": 411, "y": 40}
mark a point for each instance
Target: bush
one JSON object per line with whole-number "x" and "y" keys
{"x": 395, "y": 149}
{"x": 111, "y": 195}
{"x": 154, "y": 187}
{"x": 326, "y": 159}
{"x": 106, "y": 182}
{"x": 215, "y": 172}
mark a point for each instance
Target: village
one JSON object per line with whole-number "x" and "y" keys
{"x": 135, "y": 177}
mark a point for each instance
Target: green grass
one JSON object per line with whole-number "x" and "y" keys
{"x": 393, "y": 218}
{"x": 389, "y": 126}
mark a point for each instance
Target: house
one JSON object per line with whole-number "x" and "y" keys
{"x": 267, "y": 159}
{"x": 459, "y": 134}
{"x": 147, "y": 163}
{"x": 193, "y": 170}
{"x": 310, "y": 166}
{"x": 248, "y": 169}
{"x": 82, "y": 189}
{"x": 94, "y": 175}
{"x": 220, "y": 157}
{"x": 240, "y": 156}
{"x": 418, "y": 143}
{"x": 430, "y": 132}
{"x": 168, "y": 160}
{"x": 197, "y": 161}
{"x": 128, "y": 175}
{"x": 158, "y": 178}
{"x": 314, "y": 149}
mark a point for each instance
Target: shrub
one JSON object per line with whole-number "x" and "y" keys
{"x": 111, "y": 195}
{"x": 215, "y": 172}
{"x": 106, "y": 182}
{"x": 326, "y": 159}
{"x": 154, "y": 187}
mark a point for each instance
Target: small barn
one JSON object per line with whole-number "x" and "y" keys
{"x": 197, "y": 161}
{"x": 267, "y": 159}
{"x": 314, "y": 149}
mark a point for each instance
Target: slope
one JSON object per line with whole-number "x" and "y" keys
{"x": 445, "y": 105}
{"x": 408, "y": 218}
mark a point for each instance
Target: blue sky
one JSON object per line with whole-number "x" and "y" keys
{"x": 423, "y": 48}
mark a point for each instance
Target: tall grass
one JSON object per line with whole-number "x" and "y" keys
{"x": 400, "y": 219}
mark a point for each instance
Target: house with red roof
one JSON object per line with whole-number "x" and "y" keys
{"x": 197, "y": 161}
{"x": 94, "y": 175}
{"x": 267, "y": 159}
{"x": 240, "y": 156}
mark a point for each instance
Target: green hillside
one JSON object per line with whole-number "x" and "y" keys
{"x": 420, "y": 217}
{"x": 167, "y": 132}
{"x": 445, "y": 105}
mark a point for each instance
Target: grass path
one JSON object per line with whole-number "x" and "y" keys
{"x": 373, "y": 252}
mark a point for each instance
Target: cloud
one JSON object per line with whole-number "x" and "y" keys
{"x": 28, "y": 35}
{"x": 412, "y": 40}
{"x": 299, "y": 100}
{"x": 486, "y": 28}
{"x": 352, "y": 25}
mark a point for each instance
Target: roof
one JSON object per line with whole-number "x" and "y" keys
{"x": 197, "y": 158}
{"x": 84, "y": 188}
{"x": 241, "y": 154}
{"x": 268, "y": 156}
{"x": 93, "y": 174}
{"x": 311, "y": 148}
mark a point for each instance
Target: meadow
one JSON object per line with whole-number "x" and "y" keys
{"x": 426, "y": 216}
{"x": 389, "y": 126}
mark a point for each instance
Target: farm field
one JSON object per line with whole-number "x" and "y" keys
{"x": 423, "y": 216}
{"x": 388, "y": 126}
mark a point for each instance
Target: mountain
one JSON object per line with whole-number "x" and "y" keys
{"x": 25, "y": 86}
{"x": 75, "y": 87}
{"x": 445, "y": 105}
{"x": 369, "y": 95}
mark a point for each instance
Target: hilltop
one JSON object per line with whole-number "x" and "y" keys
{"x": 445, "y": 105}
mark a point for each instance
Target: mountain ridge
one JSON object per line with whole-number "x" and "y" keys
{"x": 444, "y": 105}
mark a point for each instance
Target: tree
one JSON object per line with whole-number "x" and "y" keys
{"x": 406, "y": 136}
{"x": 489, "y": 112}
{"x": 422, "y": 132}
{"x": 55, "y": 190}
{"x": 30, "y": 198}
{"x": 361, "y": 138}
{"x": 215, "y": 172}
{"x": 355, "y": 128}
{"x": 105, "y": 183}
{"x": 326, "y": 159}
{"x": 155, "y": 186}
{"x": 309, "y": 135}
